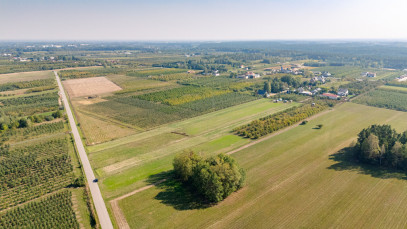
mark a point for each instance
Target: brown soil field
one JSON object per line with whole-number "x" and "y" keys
{"x": 90, "y": 86}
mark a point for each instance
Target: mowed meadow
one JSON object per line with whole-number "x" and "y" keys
{"x": 301, "y": 178}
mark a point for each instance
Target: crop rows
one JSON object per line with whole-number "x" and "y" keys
{"x": 27, "y": 84}
{"x": 28, "y": 105}
{"x": 55, "y": 211}
{"x": 147, "y": 114}
{"x": 181, "y": 95}
{"x": 390, "y": 99}
{"x": 30, "y": 171}
{"x": 156, "y": 72}
{"x": 25, "y": 133}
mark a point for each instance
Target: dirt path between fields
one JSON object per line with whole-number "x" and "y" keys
{"x": 118, "y": 213}
{"x": 278, "y": 132}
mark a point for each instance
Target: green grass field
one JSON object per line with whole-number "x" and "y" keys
{"x": 125, "y": 163}
{"x": 298, "y": 179}
{"x": 394, "y": 88}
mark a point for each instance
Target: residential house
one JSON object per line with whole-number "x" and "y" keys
{"x": 368, "y": 74}
{"x": 317, "y": 79}
{"x": 252, "y": 75}
{"x": 243, "y": 77}
{"x": 371, "y": 74}
{"x": 264, "y": 93}
{"x": 402, "y": 78}
{"x": 316, "y": 91}
{"x": 215, "y": 73}
{"x": 326, "y": 74}
{"x": 343, "y": 92}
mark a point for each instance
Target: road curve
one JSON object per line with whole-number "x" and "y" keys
{"x": 100, "y": 206}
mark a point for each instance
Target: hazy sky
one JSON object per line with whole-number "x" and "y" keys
{"x": 202, "y": 20}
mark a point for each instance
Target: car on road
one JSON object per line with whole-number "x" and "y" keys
{"x": 95, "y": 180}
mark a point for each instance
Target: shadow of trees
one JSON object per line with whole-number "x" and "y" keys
{"x": 345, "y": 160}
{"x": 176, "y": 194}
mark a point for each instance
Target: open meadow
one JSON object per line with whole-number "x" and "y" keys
{"x": 302, "y": 178}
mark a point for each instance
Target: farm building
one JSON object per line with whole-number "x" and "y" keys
{"x": 330, "y": 96}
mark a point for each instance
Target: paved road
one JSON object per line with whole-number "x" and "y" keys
{"x": 100, "y": 206}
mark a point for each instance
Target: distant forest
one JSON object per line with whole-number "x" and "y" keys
{"x": 378, "y": 54}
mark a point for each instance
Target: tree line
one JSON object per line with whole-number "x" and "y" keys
{"x": 274, "y": 122}
{"x": 215, "y": 178}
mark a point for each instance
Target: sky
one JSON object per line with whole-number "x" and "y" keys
{"x": 190, "y": 20}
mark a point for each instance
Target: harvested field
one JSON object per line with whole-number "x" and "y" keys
{"x": 25, "y": 76}
{"x": 90, "y": 86}
{"x": 302, "y": 178}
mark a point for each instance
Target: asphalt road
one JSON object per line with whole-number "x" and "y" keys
{"x": 100, "y": 206}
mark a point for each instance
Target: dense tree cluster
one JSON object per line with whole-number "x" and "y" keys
{"x": 215, "y": 177}
{"x": 359, "y": 87}
{"x": 207, "y": 65}
{"x": 274, "y": 122}
{"x": 276, "y": 85}
{"x": 382, "y": 145}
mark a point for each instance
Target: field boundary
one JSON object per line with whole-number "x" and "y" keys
{"x": 117, "y": 211}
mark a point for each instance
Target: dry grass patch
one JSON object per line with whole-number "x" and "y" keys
{"x": 98, "y": 131}
{"x": 90, "y": 86}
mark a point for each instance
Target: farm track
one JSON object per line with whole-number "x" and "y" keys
{"x": 118, "y": 213}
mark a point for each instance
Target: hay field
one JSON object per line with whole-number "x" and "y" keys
{"x": 298, "y": 179}
{"x": 89, "y": 86}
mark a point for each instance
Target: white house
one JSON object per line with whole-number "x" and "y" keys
{"x": 343, "y": 92}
